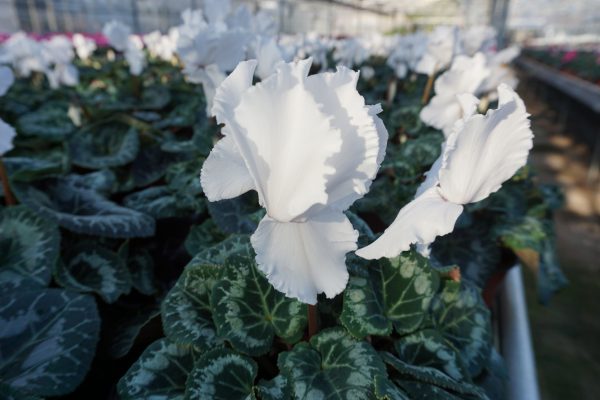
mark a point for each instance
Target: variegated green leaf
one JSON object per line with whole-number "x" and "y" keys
{"x": 9, "y": 393}
{"x": 395, "y": 292}
{"x": 157, "y": 201}
{"x": 42, "y": 165}
{"x": 159, "y": 373}
{"x": 334, "y": 366}
{"x": 29, "y": 248}
{"x": 47, "y": 339}
{"x": 277, "y": 388}
{"x": 386, "y": 390}
{"x": 430, "y": 376}
{"x": 83, "y": 210}
{"x": 186, "y": 311}
{"x": 463, "y": 319}
{"x": 108, "y": 146}
{"x": 428, "y": 348}
{"x": 249, "y": 312}
{"x": 218, "y": 253}
{"x": 89, "y": 267}
{"x": 222, "y": 374}
{"x": 50, "y": 123}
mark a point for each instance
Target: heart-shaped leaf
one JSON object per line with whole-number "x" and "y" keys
{"x": 222, "y": 374}
{"x": 160, "y": 372}
{"x": 48, "y": 339}
{"x": 463, "y": 319}
{"x": 429, "y": 376}
{"x": 249, "y": 313}
{"x": 29, "y": 248}
{"x": 89, "y": 267}
{"x": 334, "y": 366}
{"x": 83, "y": 210}
{"x": 107, "y": 146}
{"x": 428, "y": 348}
{"x": 186, "y": 311}
{"x": 395, "y": 292}
{"x": 203, "y": 236}
{"x": 50, "y": 123}
{"x": 217, "y": 254}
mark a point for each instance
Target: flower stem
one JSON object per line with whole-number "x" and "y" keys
{"x": 8, "y": 196}
{"x": 427, "y": 90}
{"x": 313, "y": 325}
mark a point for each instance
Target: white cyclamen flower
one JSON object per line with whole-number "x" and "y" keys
{"x": 406, "y": 53}
{"x": 441, "y": 44}
{"x": 310, "y": 147}
{"x": 7, "y": 78}
{"x": 161, "y": 46}
{"x": 59, "y": 54}
{"x": 25, "y": 54}
{"x": 7, "y": 134}
{"x": 134, "y": 54}
{"x": 479, "y": 156}
{"x": 84, "y": 47}
{"x": 269, "y": 55}
{"x": 464, "y": 77}
{"x": 117, "y": 34}
{"x": 500, "y": 72}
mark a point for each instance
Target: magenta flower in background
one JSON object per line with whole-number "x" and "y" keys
{"x": 569, "y": 56}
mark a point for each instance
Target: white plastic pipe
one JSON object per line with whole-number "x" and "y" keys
{"x": 516, "y": 344}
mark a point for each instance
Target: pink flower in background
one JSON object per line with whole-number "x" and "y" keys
{"x": 569, "y": 56}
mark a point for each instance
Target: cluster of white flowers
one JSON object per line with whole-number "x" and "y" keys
{"x": 7, "y": 132}
{"x": 119, "y": 36}
{"x": 53, "y": 57}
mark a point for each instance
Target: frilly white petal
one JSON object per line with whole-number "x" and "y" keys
{"x": 442, "y": 112}
{"x": 304, "y": 259}
{"x": 224, "y": 174}
{"x": 364, "y": 136}
{"x": 488, "y": 150}
{"x": 7, "y": 134}
{"x": 420, "y": 221}
{"x": 229, "y": 93}
{"x": 286, "y": 141}
{"x": 7, "y": 78}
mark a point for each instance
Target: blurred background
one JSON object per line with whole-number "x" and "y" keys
{"x": 559, "y": 72}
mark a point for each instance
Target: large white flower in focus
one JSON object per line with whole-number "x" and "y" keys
{"x": 310, "y": 147}
{"x": 464, "y": 77}
{"x": 478, "y": 157}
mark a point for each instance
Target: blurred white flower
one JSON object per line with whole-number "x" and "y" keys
{"x": 441, "y": 44}
{"x": 59, "y": 55}
{"x": 500, "y": 72}
{"x": 25, "y": 54}
{"x": 84, "y": 47}
{"x": 350, "y": 52}
{"x": 310, "y": 147}
{"x": 269, "y": 55}
{"x": 367, "y": 72}
{"x": 464, "y": 77}
{"x": 117, "y": 34}
{"x": 478, "y": 157}
{"x": 134, "y": 54}
{"x": 406, "y": 53}
{"x": 161, "y": 46}
{"x": 7, "y": 132}
{"x": 7, "y": 78}
{"x": 210, "y": 77}
{"x": 477, "y": 38}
